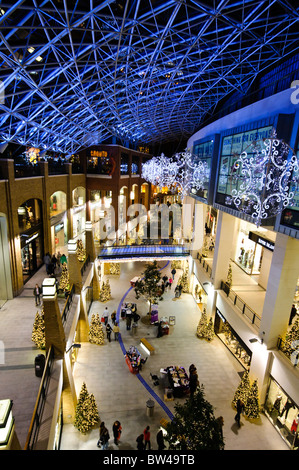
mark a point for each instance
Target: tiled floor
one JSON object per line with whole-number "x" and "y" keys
{"x": 119, "y": 394}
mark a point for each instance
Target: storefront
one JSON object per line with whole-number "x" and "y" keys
{"x": 31, "y": 253}
{"x": 232, "y": 341}
{"x": 254, "y": 252}
{"x": 283, "y": 413}
{"x": 59, "y": 234}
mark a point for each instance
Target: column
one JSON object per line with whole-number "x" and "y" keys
{"x": 223, "y": 247}
{"x": 74, "y": 266}
{"x": 281, "y": 287}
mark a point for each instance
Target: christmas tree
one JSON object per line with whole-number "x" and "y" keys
{"x": 96, "y": 332}
{"x": 148, "y": 287}
{"x": 243, "y": 390}
{"x": 81, "y": 252}
{"x": 202, "y": 324}
{"x": 105, "y": 292}
{"x": 184, "y": 281}
{"x": 176, "y": 264}
{"x": 115, "y": 269}
{"x": 229, "y": 279}
{"x": 38, "y": 332}
{"x": 291, "y": 339}
{"x": 194, "y": 426}
{"x": 209, "y": 330}
{"x": 64, "y": 283}
{"x": 252, "y": 407}
{"x": 86, "y": 411}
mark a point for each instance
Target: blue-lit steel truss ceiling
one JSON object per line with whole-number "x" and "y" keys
{"x": 76, "y": 72}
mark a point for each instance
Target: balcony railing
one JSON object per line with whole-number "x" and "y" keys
{"x": 67, "y": 304}
{"x": 204, "y": 264}
{"x": 40, "y": 403}
{"x": 250, "y": 314}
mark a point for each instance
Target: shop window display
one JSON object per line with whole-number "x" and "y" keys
{"x": 232, "y": 341}
{"x": 283, "y": 413}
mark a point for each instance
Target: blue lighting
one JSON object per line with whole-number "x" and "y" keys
{"x": 141, "y": 72}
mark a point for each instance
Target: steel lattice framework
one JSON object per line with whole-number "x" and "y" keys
{"x": 77, "y": 72}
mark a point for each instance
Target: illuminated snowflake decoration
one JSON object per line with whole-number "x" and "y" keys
{"x": 265, "y": 179}
{"x": 179, "y": 172}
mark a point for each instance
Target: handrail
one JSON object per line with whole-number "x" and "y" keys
{"x": 204, "y": 264}
{"x": 40, "y": 402}
{"x": 241, "y": 305}
{"x": 68, "y": 303}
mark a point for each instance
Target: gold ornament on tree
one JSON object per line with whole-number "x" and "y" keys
{"x": 38, "y": 331}
{"x": 87, "y": 414}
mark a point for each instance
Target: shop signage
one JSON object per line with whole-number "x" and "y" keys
{"x": 261, "y": 241}
{"x": 31, "y": 238}
{"x": 59, "y": 227}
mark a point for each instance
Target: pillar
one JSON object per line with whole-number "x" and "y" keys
{"x": 283, "y": 276}
{"x": 74, "y": 266}
{"x": 55, "y": 336}
{"x": 223, "y": 247}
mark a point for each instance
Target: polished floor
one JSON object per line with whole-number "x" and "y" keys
{"x": 120, "y": 394}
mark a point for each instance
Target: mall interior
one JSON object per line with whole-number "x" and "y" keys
{"x": 90, "y": 96}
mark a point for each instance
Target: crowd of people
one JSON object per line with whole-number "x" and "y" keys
{"x": 143, "y": 440}
{"x": 54, "y": 263}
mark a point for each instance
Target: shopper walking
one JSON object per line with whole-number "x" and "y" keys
{"x": 193, "y": 381}
{"x": 47, "y": 261}
{"x": 173, "y": 272}
{"x": 116, "y": 331}
{"x": 106, "y": 315}
{"x": 108, "y": 331}
{"x": 170, "y": 281}
{"x": 37, "y": 293}
{"x": 160, "y": 440}
{"x": 147, "y": 438}
{"x": 117, "y": 429}
{"x": 104, "y": 436}
{"x": 240, "y": 409}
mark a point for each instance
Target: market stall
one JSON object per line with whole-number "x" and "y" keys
{"x": 133, "y": 359}
{"x": 178, "y": 380}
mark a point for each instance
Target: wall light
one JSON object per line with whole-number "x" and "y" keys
{"x": 75, "y": 345}
{"x": 49, "y": 288}
{"x": 72, "y": 246}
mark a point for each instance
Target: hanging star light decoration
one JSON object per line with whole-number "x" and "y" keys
{"x": 266, "y": 178}
{"x": 180, "y": 172}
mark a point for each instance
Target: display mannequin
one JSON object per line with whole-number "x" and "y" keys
{"x": 286, "y": 408}
{"x": 295, "y": 425}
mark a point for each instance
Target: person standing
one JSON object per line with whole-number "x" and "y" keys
{"x": 47, "y": 261}
{"x": 116, "y": 331}
{"x": 104, "y": 436}
{"x": 193, "y": 381}
{"x": 160, "y": 440}
{"x": 140, "y": 443}
{"x": 293, "y": 314}
{"x": 173, "y": 272}
{"x": 117, "y": 429}
{"x": 240, "y": 409}
{"x": 170, "y": 282}
{"x": 37, "y": 293}
{"x": 147, "y": 438}
{"x": 108, "y": 331}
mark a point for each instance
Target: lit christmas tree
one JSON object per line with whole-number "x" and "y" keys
{"x": 96, "y": 332}
{"x": 86, "y": 411}
{"x": 252, "y": 407}
{"x": 81, "y": 252}
{"x": 64, "y": 283}
{"x": 291, "y": 339}
{"x": 38, "y": 332}
{"x": 105, "y": 292}
{"x": 229, "y": 279}
{"x": 209, "y": 330}
{"x": 202, "y": 324}
{"x": 115, "y": 269}
{"x": 148, "y": 287}
{"x": 243, "y": 390}
{"x": 184, "y": 281}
